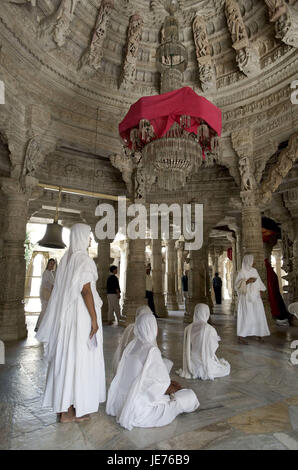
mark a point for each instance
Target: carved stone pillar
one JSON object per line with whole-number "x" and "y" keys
{"x": 123, "y": 269}
{"x": 12, "y": 262}
{"x": 197, "y": 281}
{"x": 103, "y": 264}
{"x": 252, "y": 242}
{"x": 157, "y": 274}
{"x": 180, "y": 261}
{"x": 135, "y": 281}
{"x": 172, "y": 303}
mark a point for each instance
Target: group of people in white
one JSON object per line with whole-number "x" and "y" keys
{"x": 141, "y": 393}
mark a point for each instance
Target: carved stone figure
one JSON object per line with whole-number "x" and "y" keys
{"x": 203, "y": 52}
{"x": 247, "y": 178}
{"x": 236, "y": 25}
{"x": 55, "y": 29}
{"x": 21, "y": 2}
{"x": 33, "y": 157}
{"x": 124, "y": 163}
{"x": 277, "y": 8}
{"x": 93, "y": 54}
{"x": 128, "y": 75}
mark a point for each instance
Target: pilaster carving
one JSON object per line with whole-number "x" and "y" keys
{"x": 246, "y": 56}
{"x": 204, "y": 53}
{"x": 285, "y": 18}
{"x": 55, "y": 28}
{"x": 279, "y": 171}
{"x": 93, "y": 55}
{"x": 128, "y": 75}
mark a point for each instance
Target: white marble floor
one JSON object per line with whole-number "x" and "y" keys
{"x": 256, "y": 407}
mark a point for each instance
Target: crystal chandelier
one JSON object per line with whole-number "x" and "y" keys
{"x": 176, "y": 130}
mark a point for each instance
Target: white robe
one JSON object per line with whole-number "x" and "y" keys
{"x": 47, "y": 282}
{"x": 76, "y": 371}
{"x": 137, "y": 393}
{"x": 251, "y": 317}
{"x": 126, "y": 337}
{"x": 199, "y": 348}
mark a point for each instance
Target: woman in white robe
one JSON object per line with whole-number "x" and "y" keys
{"x": 72, "y": 335}
{"x": 142, "y": 394}
{"x": 251, "y": 317}
{"x": 128, "y": 336}
{"x": 199, "y": 348}
{"x": 46, "y": 287}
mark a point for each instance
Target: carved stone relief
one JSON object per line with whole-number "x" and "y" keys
{"x": 246, "y": 56}
{"x": 94, "y": 53}
{"x": 55, "y": 28}
{"x": 204, "y": 55}
{"x": 128, "y": 75}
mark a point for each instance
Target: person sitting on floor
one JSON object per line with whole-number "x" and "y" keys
{"x": 142, "y": 393}
{"x": 127, "y": 336}
{"x": 199, "y": 348}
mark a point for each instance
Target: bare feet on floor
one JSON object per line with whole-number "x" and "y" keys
{"x": 82, "y": 418}
{"x": 242, "y": 340}
{"x": 69, "y": 416}
{"x": 260, "y": 339}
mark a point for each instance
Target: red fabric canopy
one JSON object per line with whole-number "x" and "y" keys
{"x": 163, "y": 110}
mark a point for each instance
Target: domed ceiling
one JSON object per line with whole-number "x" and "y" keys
{"x": 70, "y": 55}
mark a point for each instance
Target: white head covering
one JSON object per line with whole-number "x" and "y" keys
{"x": 199, "y": 347}
{"x": 201, "y": 313}
{"x": 79, "y": 238}
{"x": 74, "y": 271}
{"x": 251, "y": 290}
{"x": 145, "y": 328}
{"x": 127, "y": 336}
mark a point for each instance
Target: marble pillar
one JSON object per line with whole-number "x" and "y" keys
{"x": 103, "y": 262}
{"x": 123, "y": 244}
{"x": 197, "y": 281}
{"x": 180, "y": 263}
{"x": 157, "y": 274}
{"x": 172, "y": 303}
{"x": 135, "y": 281}
{"x": 12, "y": 262}
{"x": 252, "y": 242}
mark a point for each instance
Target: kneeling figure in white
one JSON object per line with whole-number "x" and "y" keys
{"x": 128, "y": 336}
{"x": 141, "y": 394}
{"x": 199, "y": 347}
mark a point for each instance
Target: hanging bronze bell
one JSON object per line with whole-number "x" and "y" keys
{"x": 53, "y": 237}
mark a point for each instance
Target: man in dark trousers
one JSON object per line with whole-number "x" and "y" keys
{"x": 113, "y": 294}
{"x": 149, "y": 290}
{"x": 184, "y": 281}
{"x": 217, "y": 284}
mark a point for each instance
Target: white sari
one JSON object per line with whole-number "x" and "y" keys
{"x": 76, "y": 372}
{"x": 199, "y": 348}
{"x": 251, "y": 317}
{"x": 137, "y": 393}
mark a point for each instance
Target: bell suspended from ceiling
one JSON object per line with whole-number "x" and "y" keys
{"x": 53, "y": 235}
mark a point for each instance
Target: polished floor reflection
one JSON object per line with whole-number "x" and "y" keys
{"x": 256, "y": 407}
